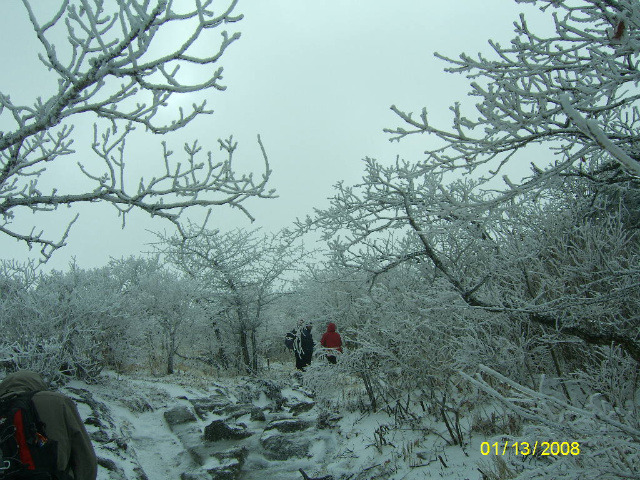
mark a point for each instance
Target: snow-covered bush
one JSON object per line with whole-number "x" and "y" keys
{"x": 615, "y": 376}
{"x": 604, "y": 438}
{"x": 124, "y": 336}
{"x": 56, "y": 324}
{"x": 164, "y": 310}
{"x": 407, "y": 333}
{"x": 77, "y": 322}
{"x": 571, "y": 260}
{"x": 169, "y": 305}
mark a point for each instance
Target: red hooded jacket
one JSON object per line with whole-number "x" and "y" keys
{"x": 331, "y": 338}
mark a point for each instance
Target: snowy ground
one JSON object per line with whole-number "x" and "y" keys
{"x": 127, "y": 418}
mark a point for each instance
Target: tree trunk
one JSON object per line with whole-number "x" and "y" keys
{"x": 171, "y": 353}
{"x": 221, "y": 355}
{"x": 170, "y": 363}
{"x": 244, "y": 347}
{"x": 254, "y": 351}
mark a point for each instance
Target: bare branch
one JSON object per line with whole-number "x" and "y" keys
{"x": 116, "y": 67}
{"x": 524, "y": 88}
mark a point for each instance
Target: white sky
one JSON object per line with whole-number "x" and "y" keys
{"x": 314, "y": 78}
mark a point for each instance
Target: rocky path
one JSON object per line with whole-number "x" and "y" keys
{"x": 259, "y": 431}
{"x": 151, "y": 440}
{"x": 253, "y": 429}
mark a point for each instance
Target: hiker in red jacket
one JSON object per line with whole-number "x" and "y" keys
{"x": 331, "y": 339}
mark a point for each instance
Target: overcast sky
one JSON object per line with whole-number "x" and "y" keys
{"x": 315, "y": 79}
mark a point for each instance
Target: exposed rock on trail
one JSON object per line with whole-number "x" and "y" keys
{"x": 243, "y": 431}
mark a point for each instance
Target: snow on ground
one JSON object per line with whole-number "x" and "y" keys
{"x": 136, "y": 442}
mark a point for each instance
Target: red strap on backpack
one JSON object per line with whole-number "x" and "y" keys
{"x": 21, "y": 440}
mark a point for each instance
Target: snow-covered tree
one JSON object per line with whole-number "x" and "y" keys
{"x": 570, "y": 262}
{"x": 57, "y": 323}
{"x": 548, "y": 265}
{"x": 241, "y": 273}
{"x": 169, "y": 308}
{"x": 162, "y": 309}
{"x": 407, "y": 332}
{"x": 122, "y": 65}
{"x": 124, "y": 336}
{"x": 573, "y": 90}
{"x": 398, "y": 215}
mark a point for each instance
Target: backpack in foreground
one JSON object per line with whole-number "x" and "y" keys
{"x": 26, "y": 452}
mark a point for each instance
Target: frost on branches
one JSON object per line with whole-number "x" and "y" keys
{"x": 242, "y": 273}
{"x": 608, "y": 434}
{"x": 543, "y": 270}
{"x": 116, "y": 68}
{"x": 58, "y": 323}
{"x": 575, "y": 91}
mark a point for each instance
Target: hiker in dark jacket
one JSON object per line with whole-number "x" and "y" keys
{"x": 63, "y": 424}
{"x": 302, "y": 345}
{"x": 331, "y": 339}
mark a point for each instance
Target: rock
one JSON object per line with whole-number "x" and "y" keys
{"x": 207, "y": 457}
{"x": 141, "y": 475}
{"x": 258, "y": 389}
{"x": 220, "y": 406}
{"x": 304, "y": 392}
{"x": 214, "y": 404}
{"x": 257, "y": 415}
{"x": 94, "y": 421}
{"x": 239, "y": 454}
{"x": 100, "y": 436}
{"x": 231, "y": 462}
{"x": 219, "y": 430}
{"x": 190, "y": 435}
{"x": 327, "y": 420}
{"x": 230, "y": 472}
{"x": 136, "y": 404}
{"x": 179, "y": 416}
{"x": 116, "y": 472}
{"x": 202, "y": 451}
{"x": 237, "y": 411}
{"x": 194, "y": 476}
{"x": 283, "y": 447}
{"x": 115, "y": 445}
{"x": 301, "y": 407}
{"x": 288, "y": 425}
{"x": 271, "y": 390}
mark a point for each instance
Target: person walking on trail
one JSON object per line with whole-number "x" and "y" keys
{"x": 331, "y": 340}
{"x": 58, "y": 416}
{"x": 301, "y": 342}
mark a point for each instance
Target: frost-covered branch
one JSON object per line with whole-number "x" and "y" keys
{"x": 574, "y": 91}
{"x": 123, "y": 66}
{"x": 558, "y": 247}
{"x": 567, "y": 261}
{"x": 242, "y": 270}
{"x": 608, "y": 438}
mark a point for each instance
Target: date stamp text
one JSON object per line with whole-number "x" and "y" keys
{"x": 525, "y": 448}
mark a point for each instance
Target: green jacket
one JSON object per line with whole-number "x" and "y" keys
{"x": 62, "y": 423}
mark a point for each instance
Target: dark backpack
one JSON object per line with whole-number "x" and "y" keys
{"x": 288, "y": 340}
{"x": 26, "y": 452}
